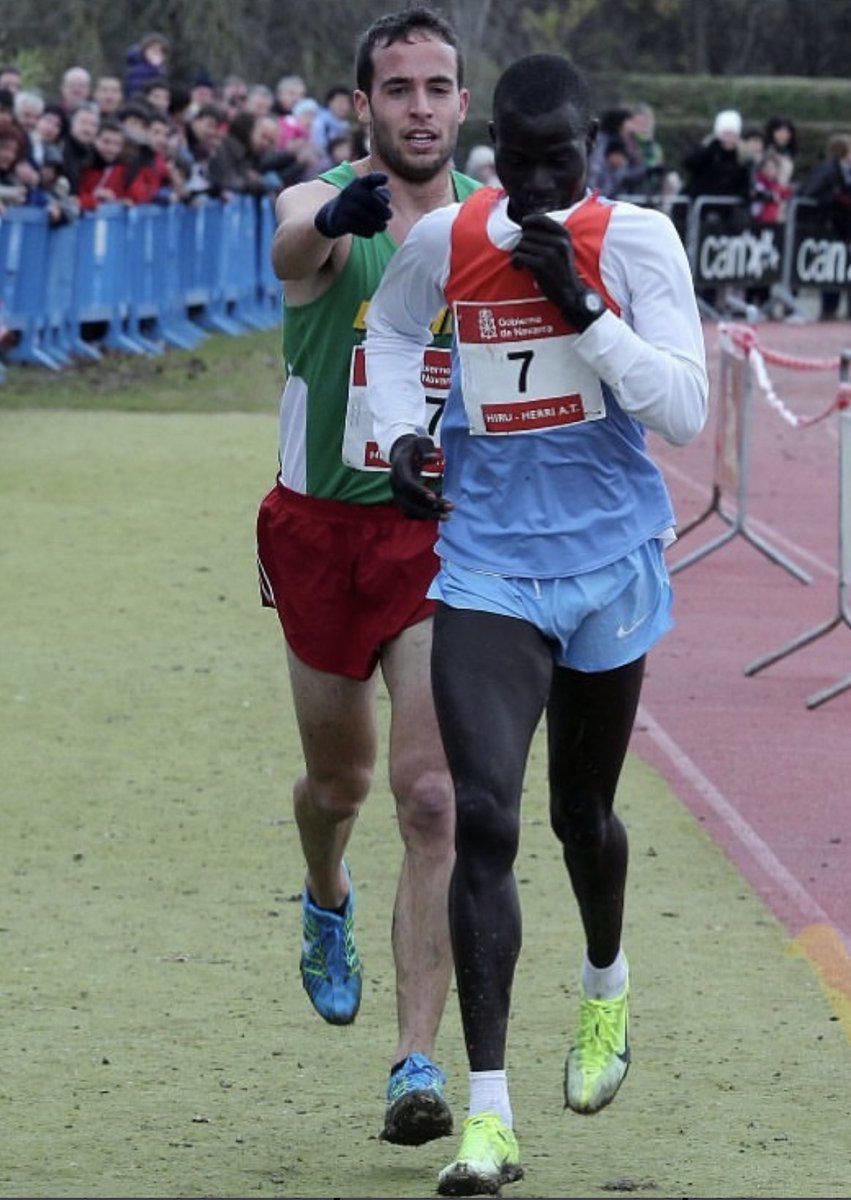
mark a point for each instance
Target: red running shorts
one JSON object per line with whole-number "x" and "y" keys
{"x": 345, "y": 579}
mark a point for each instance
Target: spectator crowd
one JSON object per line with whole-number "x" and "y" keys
{"x": 139, "y": 137}
{"x": 750, "y": 169}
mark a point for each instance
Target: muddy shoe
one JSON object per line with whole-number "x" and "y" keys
{"x": 487, "y": 1158}
{"x": 416, "y": 1109}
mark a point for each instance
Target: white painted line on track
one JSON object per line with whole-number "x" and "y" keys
{"x": 808, "y": 909}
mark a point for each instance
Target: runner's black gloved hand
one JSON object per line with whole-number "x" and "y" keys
{"x": 408, "y": 455}
{"x": 546, "y": 248}
{"x": 362, "y": 207}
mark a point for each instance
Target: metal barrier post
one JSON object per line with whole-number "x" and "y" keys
{"x": 843, "y": 614}
{"x": 734, "y": 424}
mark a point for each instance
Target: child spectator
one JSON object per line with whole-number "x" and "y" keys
{"x": 145, "y": 61}
{"x": 782, "y": 137}
{"x": 295, "y": 126}
{"x": 770, "y": 195}
{"x": 769, "y": 198}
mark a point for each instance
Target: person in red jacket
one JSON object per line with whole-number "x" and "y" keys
{"x": 148, "y": 176}
{"x": 104, "y": 181}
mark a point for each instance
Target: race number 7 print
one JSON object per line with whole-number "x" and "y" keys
{"x": 519, "y": 370}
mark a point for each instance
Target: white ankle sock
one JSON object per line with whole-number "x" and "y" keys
{"x": 605, "y": 983}
{"x": 489, "y": 1093}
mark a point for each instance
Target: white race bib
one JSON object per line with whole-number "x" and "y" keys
{"x": 519, "y": 371}
{"x": 360, "y": 449}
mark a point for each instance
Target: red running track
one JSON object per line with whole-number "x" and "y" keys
{"x": 769, "y": 778}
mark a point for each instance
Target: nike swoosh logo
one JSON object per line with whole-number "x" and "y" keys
{"x": 626, "y": 630}
{"x": 624, "y": 1055}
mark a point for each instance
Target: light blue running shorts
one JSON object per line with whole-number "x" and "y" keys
{"x": 599, "y": 620}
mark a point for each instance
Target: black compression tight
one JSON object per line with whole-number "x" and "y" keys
{"x": 493, "y": 678}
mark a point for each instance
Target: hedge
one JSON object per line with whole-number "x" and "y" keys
{"x": 685, "y": 106}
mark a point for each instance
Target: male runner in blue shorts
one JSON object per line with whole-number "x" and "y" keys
{"x": 346, "y": 571}
{"x": 575, "y": 331}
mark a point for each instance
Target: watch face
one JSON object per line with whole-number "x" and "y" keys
{"x": 593, "y": 303}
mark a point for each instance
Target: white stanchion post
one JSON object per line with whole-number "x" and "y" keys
{"x": 732, "y": 465}
{"x": 843, "y": 615}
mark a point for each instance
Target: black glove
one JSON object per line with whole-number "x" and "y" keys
{"x": 546, "y": 248}
{"x": 408, "y": 455}
{"x": 362, "y": 207}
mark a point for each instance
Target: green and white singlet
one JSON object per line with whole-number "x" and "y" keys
{"x": 319, "y": 341}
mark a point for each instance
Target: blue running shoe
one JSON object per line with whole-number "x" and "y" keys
{"x": 330, "y": 964}
{"x": 416, "y": 1109}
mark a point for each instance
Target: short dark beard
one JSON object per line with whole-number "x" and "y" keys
{"x": 401, "y": 166}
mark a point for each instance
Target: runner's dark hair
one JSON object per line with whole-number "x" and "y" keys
{"x": 398, "y": 27}
{"x": 540, "y": 83}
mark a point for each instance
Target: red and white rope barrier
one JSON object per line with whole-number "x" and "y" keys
{"x": 745, "y": 340}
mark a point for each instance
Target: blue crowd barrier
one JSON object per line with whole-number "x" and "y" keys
{"x": 58, "y": 335}
{"x": 135, "y": 279}
{"x": 270, "y": 296}
{"x": 142, "y": 278}
{"x": 24, "y": 249}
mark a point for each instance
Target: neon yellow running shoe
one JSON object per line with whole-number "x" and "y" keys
{"x": 597, "y": 1065}
{"x": 487, "y": 1158}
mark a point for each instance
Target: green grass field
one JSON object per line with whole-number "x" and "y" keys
{"x": 155, "y": 1040}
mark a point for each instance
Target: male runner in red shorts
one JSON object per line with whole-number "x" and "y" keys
{"x": 346, "y": 571}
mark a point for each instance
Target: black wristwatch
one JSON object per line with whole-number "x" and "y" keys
{"x": 591, "y": 306}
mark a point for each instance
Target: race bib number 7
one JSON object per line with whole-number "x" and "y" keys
{"x": 519, "y": 371}
{"x": 360, "y": 449}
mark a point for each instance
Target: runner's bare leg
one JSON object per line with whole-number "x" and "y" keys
{"x": 420, "y": 782}
{"x": 337, "y": 724}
